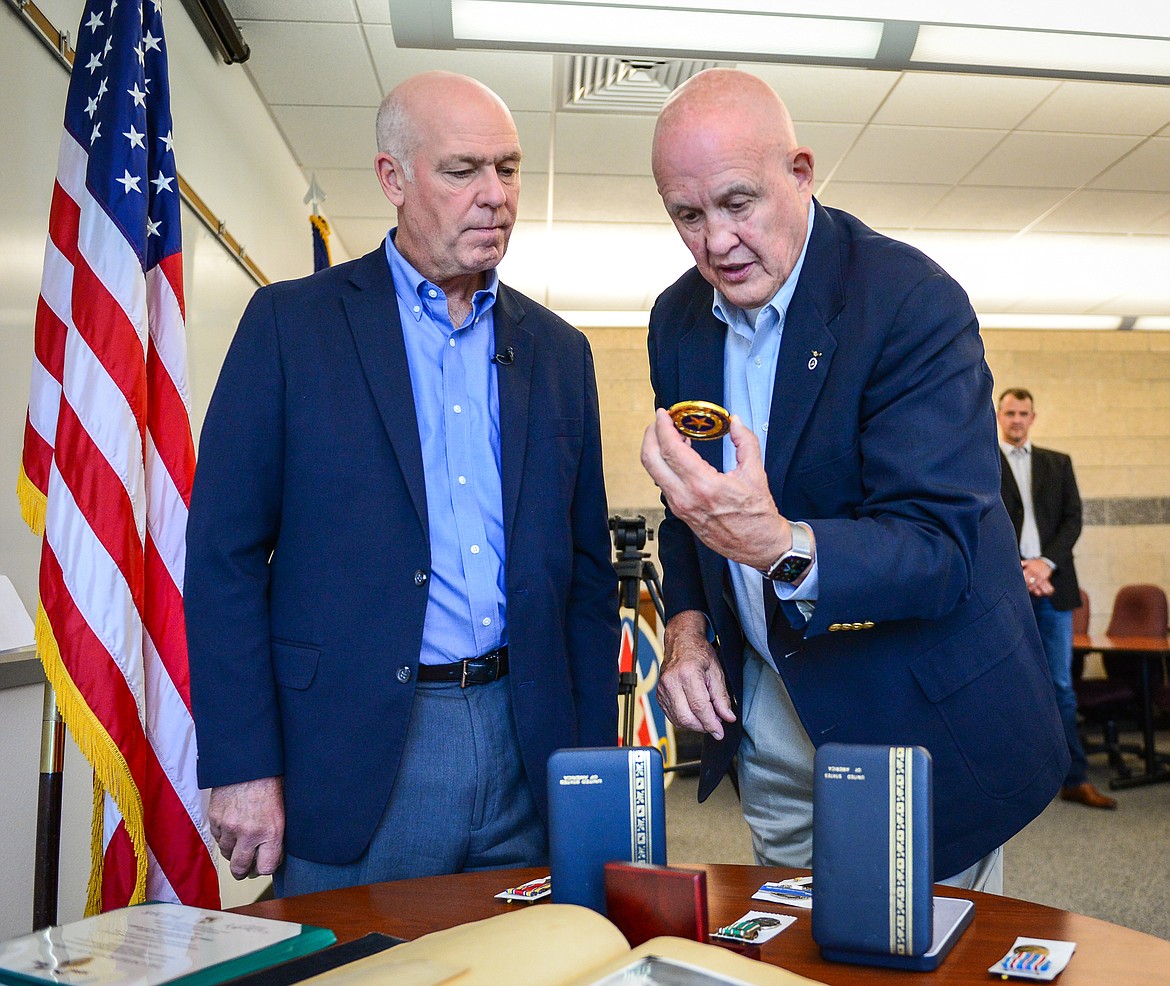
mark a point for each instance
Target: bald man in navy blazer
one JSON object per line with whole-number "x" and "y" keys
{"x": 400, "y": 593}
{"x": 858, "y": 581}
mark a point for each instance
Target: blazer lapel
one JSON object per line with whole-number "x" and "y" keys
{"x": 806, "y": 350}
{"x": 372, "y": 310}
{"x": 514, "y": 384}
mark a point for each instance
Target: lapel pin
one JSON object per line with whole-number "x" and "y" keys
{"x": 812, "y": 363}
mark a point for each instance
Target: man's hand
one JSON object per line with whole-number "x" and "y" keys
{"x": 247, "y": 820}
{"x": 691, "y": 687}
{"x": 732, "y": 513}
{"x": 1037, "y": 576}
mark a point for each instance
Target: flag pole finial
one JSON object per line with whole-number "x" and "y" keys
{"x": 314, "y": 196}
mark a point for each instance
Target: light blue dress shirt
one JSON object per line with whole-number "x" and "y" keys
{"x": 750, "y": 352}
{"x": 457, "y": 404}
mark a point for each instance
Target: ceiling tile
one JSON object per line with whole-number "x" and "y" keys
{"x": 533, "y": 196}
{"x": 973, "y": 207}
{"x": 829, "y": 142}
{"x": 1147, "y": 169}
{"x": 351, "y": 192}
{"x": 374, "y": 11}
{"x": 296, "y": 10}
{"x": 523, "y": 80}
{"x": 607, "y": 198}
{"x": 913, "y": 154}
{"x": 935, "y": 99}
{"x": 329, "y": 136}
{"x": 588, "y": 143}
{"x": 311, "y": 64}
{"x": 885, "y": 206}
{"x": 1104, "y": 108}
{"x": 826, "y": 94}
{"x": 1049, "y": 160}
{"x": 1097, "y": 211}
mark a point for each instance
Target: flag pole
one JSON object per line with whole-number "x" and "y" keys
{"x": 48, "y": 853}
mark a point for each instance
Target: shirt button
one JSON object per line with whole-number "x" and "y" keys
{"x": 452, "y": 343}
{"x": 487, "y": 621}
{"x": 462, "y": 480}
{"x": 404, "y": 674}
{"x": 764, "y": 429}
{"x": 759, "y": 361}
{"x": 475, "y": 549}
{"x": 433, "y": 293}
{"x": 420, "y": 577}
{"x": 458, "y": 409}
{"x": 417, "y": 309}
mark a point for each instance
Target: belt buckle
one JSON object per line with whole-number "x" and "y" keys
{"x": 463, "y": 672}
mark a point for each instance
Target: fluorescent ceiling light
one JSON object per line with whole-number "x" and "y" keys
{"x": 1157, "y": 322}
{"x": 1007, "y": 320}
{"x": 607, "y": 319}
{"x": 641, "y": 28}
{"x": 1080, "y": 53}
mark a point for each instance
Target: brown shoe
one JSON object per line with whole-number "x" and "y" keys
{"x": 1085, "y": 794}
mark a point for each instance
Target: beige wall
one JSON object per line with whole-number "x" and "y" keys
{"x": 1102, "y": 397}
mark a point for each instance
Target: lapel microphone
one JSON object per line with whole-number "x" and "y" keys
{"x": 506, "y": 358}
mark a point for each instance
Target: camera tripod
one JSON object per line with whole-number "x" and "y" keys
{"x": 634, "y": 570}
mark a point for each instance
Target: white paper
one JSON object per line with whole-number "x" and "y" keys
{"x": 782, "y": 921}
{"x": 16, "y": 628}
{"x": 140, "y": 946}
{"x": 1035, "y": 958}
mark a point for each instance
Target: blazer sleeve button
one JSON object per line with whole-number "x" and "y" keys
{"x": 420, "y": 577}
{"x": 404, "y": 674}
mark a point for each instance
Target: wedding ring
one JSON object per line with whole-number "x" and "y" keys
{"x": 701, "y": 420}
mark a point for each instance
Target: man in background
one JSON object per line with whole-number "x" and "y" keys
{"x": 1040, "y": 493}
{"x": 839, "y": 567}
{"x": 400, "y": 596}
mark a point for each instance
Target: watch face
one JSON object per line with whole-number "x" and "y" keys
{"x": 791, "y": 568}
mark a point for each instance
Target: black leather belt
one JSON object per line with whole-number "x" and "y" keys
{"x": 474, "y": 671}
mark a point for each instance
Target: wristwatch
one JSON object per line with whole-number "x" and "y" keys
{"x": 791, "y": 565}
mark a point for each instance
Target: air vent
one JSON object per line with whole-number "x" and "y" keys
{"x": 596, "y": 83}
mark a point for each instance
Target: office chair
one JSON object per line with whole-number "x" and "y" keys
{"x": 1105, "y": 701}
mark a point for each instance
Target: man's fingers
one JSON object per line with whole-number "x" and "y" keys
{"x": 268, "y": 858}
{"x": 242, "y": 859}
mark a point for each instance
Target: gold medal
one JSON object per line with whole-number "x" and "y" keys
{"x": 700, "y": 420}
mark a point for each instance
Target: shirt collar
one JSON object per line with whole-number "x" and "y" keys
{"x": 730, "y": 313}
{"x": 412, "y": 287}
{"x": 1008, "y": 448}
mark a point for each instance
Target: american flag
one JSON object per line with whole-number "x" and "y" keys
{"x": 108, "y": 461}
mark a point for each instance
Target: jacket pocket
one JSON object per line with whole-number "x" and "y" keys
{"x": 295, "y": 665}
{"x": 979, "y": 679}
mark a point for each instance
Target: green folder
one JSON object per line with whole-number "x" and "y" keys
{"x": 155, "y": 944}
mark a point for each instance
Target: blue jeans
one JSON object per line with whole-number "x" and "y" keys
{"x": 460, "y": 801}
{"x": 1056, "y": 633}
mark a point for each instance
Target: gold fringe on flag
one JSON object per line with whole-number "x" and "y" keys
{"x": 111, "y": 772}
{"x": 32, "y": 502}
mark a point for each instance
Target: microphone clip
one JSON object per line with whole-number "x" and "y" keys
{"x": 506, "y": 358}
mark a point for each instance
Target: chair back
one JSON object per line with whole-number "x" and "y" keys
{"x": 1081, "y": 615}
{"x": 1139, "y": 610}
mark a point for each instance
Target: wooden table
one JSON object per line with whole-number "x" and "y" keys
{"x": 1146, "y": 651}
{"x": 1106, "y": 953}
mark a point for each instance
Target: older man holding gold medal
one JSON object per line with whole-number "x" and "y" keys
{"x": 838, "y": 565}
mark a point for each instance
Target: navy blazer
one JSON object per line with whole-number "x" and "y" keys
{"x": 882, "y": 437}
{"x": 308, "y": 553}
{"x": 1056, "y": 502}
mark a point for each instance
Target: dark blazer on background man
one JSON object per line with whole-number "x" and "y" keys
{"x": 1057, "y": 504}
{"x": 882, "y": 438}
{"x": 308, "y": 555}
